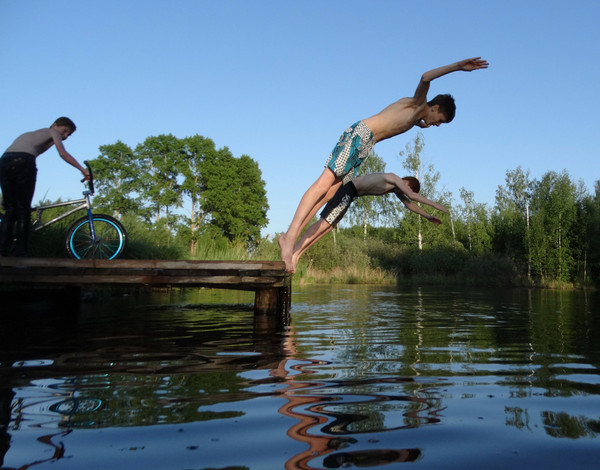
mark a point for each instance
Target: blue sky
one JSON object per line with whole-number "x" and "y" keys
{"x": 280, "y": 80}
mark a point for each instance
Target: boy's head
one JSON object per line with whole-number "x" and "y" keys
{"x": 413, "y": 183}
{"x": 65, "y": 122}
{"x": 64, "y": 126}
{"x": 446, "y": 106}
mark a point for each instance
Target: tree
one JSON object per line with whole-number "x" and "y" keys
{"x": 552, "y": 221}
{"x": 161, "y": 158}
{"x": 412, "y": 230}
{"x": 234, "y": 195}
{"x": 116, "y": 179}
{"x": 252, "y": 204}
{"x": 511, "y": 218}
{"x": 197, "y": 150}
{"x": 475, "y": 218}
{"x": 586, "y": 239}
{"x": 467, "y": 197}
{"x": 594, "y": 233}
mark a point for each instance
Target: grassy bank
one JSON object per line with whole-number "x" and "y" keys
{"x": 343, "y": 259}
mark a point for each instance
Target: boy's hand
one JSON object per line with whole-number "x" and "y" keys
{"x": 86, "y": 176}
{"x": 434, "y": 220}
{"x": 468, "y": 65}
{"x": 439, "y": 207}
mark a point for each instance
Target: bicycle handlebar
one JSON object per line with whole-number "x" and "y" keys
{"x": 91, "y": 181}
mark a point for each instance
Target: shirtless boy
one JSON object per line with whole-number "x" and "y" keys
{"x": 17, "y": 179}
{"x": 375, "y": 184}
{"x": 358, "y": 140}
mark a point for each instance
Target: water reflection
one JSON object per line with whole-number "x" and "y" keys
{"x": 361, "y": 377}
{"x": 323, "y": 417}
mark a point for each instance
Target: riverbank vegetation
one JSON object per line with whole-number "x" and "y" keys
{"x": 184, "y": 199}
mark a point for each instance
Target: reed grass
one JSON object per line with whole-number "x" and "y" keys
{"x": 343, "y": 259}
{"x": 347, "y": 275}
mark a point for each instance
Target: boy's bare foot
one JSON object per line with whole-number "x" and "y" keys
{"x": 286, "y": 253}
{"x": 295, "y": 259}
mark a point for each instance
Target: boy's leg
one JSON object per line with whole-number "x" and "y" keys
{"x": 23, "y": 198}
{"x": 321, "y": 203}
{"x": 312, "y": 199}
{"x": 6, "y": 231}
{"x": 9, "y": 194}
{"x": 312, "y": 235}
{"x": 334, "y": 211}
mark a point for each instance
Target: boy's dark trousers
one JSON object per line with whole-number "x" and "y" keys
{"x": 17, "y": 181}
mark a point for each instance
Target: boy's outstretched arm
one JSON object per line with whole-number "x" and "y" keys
{"x": 403, "y": 189}
{"x": 66, "y": 156}
{"x": 465, "y": 65}
{"x": 412, "y": 206}
{"x": 408, "y": 196}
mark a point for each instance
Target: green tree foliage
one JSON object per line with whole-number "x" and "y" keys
{"x": 116, "y": 172}
{"x": 197, "y": 150}
{"x": 234, "y": 196}
{"x": 510, "y": 219}
{"x": 226, "y": 196}
{"x": 476, "y": 236}
{"x": 413, "y": 230}
{"x": 160, "y": 159}
{"x": 553, "y": 219}
{"x": 592, "y": 242}
{"x": 252, "y": 204}
{"x": 586, "y": 235}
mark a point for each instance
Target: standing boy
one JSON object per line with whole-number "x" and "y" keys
{"x": 17, "y": 180}
{"x": 358, "y": 140}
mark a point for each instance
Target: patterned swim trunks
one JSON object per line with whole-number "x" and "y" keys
{"x": 339, "y": 204}
{"x": 355, "y": 144}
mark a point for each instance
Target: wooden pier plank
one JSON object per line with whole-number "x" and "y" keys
{"x": 268, "y": 279}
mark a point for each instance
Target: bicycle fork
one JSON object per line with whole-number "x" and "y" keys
{"x": 88, "y": 209}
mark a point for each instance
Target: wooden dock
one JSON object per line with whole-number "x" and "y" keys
{"x": 268, "y": 279}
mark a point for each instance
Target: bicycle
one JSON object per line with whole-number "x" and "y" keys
{"x": 94, "y": 236}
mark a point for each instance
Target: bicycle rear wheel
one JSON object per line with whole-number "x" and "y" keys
{"x": 108, "y": 244}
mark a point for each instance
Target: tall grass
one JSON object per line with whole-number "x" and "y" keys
{"x": 343, "y": 258}
{"x": 50, "y": 242}
{"x": 350, "y": 275}
{"x": 209, "y": 250}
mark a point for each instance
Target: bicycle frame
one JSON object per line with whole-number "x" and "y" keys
{"x": 83, "y": 203}
{"x": 107, "y": 236}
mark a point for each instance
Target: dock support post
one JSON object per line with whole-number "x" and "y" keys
{"x": 266, "y": 301}
{"x": 274, "y": 300}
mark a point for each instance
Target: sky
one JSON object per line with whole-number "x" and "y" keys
{"x": 281, "y": 80}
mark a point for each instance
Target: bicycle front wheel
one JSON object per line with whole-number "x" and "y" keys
{"x": 109, "y": 241}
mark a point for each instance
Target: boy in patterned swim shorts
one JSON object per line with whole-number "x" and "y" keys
{"x": 355, "y": 144}
{"x": 376, "y": 184}
{"x": 358, "y": 140}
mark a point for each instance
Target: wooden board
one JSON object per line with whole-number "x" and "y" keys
{"x": 243, "y": 275}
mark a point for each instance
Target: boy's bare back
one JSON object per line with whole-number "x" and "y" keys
{"x": 33, "y": 142}
{"x": 395, "y": 119}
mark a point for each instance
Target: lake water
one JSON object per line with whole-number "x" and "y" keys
{"x": 361, "y": 376}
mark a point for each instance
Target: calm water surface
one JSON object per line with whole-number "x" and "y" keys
{"x": 384, "y": 377}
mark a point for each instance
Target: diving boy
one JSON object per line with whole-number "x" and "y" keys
{"x": 357, "y": 141}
